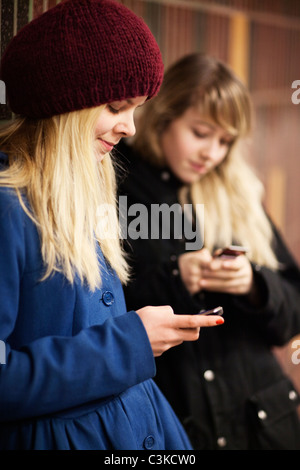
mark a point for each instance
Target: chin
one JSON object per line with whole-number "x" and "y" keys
{"x": 100, "y": 157}
{"x": 191, "y": 179}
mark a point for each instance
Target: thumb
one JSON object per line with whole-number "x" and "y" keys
{"x": 204, "y": 256}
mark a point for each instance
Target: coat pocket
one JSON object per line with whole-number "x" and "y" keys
{"x": 274, "y": 419}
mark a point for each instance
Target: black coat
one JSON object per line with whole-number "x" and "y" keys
{"x": 227, "y": 388}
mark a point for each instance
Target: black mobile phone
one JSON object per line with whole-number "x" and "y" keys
{"x": 213, "y": 311}
{"x": 231, "y": 251}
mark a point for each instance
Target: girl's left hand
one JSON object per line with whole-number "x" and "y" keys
{"x": 232, "y": 276}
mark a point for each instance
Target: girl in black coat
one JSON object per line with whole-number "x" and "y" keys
{"x": 188, "y": 193}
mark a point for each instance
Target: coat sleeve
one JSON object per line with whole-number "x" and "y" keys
{"x": 53, "y": 373}
{"x": 279, "y": 315}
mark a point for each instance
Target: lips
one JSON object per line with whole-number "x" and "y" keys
{"x": 107, "y": 146}
{"x": 198, "y": 167}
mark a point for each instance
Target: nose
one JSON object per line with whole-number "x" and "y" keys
{"x": 126, "y": 126}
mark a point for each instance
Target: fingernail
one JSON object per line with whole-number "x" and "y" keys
{"x": 220, "y": 321}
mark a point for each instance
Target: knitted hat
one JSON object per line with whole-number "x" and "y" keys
{"x": 80, "y": 54}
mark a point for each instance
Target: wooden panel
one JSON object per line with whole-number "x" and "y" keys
{"x": 22, "y": 13}
{"x": 276, "y": 190}
{"x": 239, "y": 38}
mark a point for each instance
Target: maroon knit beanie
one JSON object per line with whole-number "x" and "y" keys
{"x": 80, "y": 54}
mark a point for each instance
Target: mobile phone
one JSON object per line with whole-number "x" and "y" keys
{"x": 213, "y": 311}
{"x": 231, "y": 251}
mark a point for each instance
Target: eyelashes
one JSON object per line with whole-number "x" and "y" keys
{"x": 112, "y": 110}
{"x": 201, "y": 135}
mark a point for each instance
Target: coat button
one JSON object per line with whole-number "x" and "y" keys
{"x": 262, "y": 415}
{"x": 293, "y": 395}
{"x": 149, "y": 442}
{"x": 222, "y": 442}
{"x": 165, "y": 175}
{"x": 108, "y": 298}
{"x": 209, "y": 375}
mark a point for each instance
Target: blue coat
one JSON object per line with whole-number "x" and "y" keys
{"x": 78, "y": 367}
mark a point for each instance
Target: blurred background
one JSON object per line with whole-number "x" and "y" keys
{"x": 260, "y": 40}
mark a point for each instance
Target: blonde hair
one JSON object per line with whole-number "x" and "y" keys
{"x": 53, "y": 163}
{"x": 232, "y": 194}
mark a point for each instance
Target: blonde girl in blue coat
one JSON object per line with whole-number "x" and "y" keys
{"x": 77, "y": 367}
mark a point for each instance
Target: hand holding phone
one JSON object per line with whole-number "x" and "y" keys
{"x": 166, "y": 330}
{"x": 230, "y": 272}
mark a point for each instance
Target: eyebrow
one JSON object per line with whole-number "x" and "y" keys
{"x": 204, "y": 123}
{"x": 129, "y": 101}
{"x": 212, "y": 127}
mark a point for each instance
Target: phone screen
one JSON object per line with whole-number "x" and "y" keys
{"x": 231, "y": 251}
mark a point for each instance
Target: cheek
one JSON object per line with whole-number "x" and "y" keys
{"x": 175, "y": 145}
{"x": 98, "y": 131}
{"x": 221, "y": 157}
{"x": 104, "y": 124}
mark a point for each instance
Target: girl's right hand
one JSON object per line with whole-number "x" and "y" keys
{"x": 166, "y": 330}
{"x": 190, "y": 267}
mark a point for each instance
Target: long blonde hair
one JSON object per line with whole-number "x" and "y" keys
{"x": 53, "y": 163}
{"x": 232, "y": 194}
